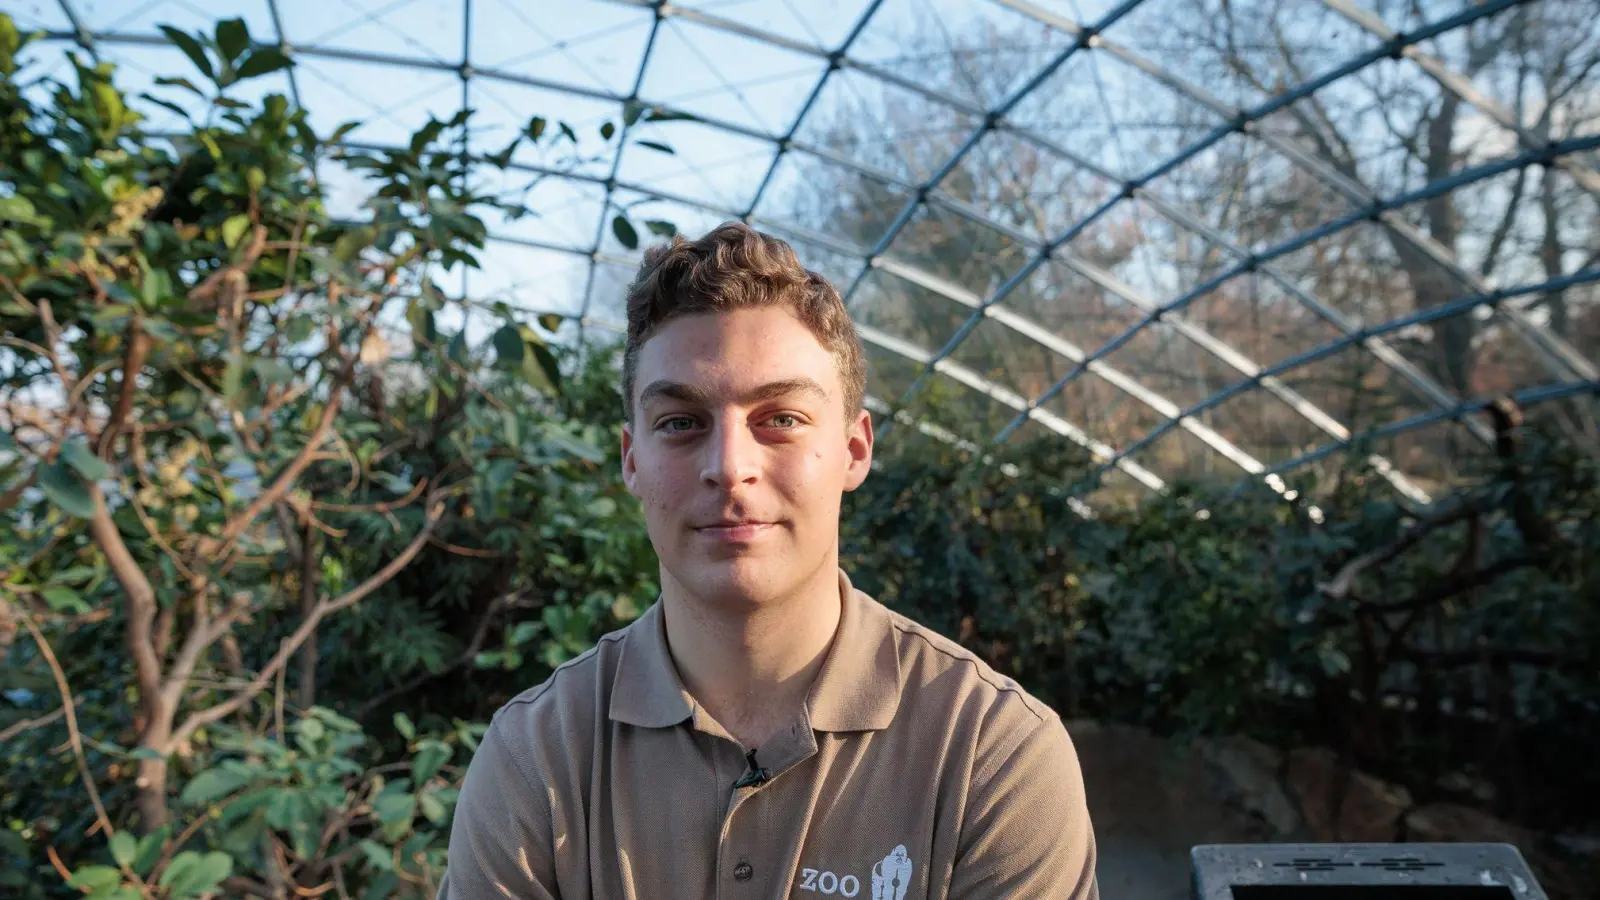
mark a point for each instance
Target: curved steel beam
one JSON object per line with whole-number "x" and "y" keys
{"x": 1264, "y": 378}
{"x": 616, "y": 161}
{"x": 1527, "y": 397}
{"x": 1098, "y": 449}
{"x": 839, "y": 60}
{"x": 1331, "y": 227}
{"x": 1463, "y": 87}
{"x": 1432, "y": 314}
{"x": 837, "y": 159}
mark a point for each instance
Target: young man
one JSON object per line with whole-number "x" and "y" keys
{"x": 763, "y": 730}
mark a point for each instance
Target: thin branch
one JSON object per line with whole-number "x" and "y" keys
{"x": 76, "y": 740}
{"x": 17, "y": 728}
{"x": 1339, "y": 587}
{"x": 132, "y": 364}
{"x": 289, "y": 645}
{"x": 286, "y": 479}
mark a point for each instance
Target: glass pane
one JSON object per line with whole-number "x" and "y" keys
{"x": 593, "y": 46}
{"x": 729, "y": 77}
{"x": 414, "y": 29}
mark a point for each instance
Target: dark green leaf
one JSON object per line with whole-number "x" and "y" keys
{"x": 430, "y": 756}
{"x": 508, "y": 347}
{"x": 233, "y": 38}
{"x": 657, "y": 146}
{"x": 248, "y": 803}
{"x": 212, "y": 785}
{"x": 150, "y": 847}
{"x": 191, "y": 48}
{"x": 549, "y": 369}
{"x": 66, "y": 490}
{"x": 662, "y": 115}
{"x": 393, "y": 806}
{"x": 607, "y": 129}
{"x": 402, "y": 724}
{"x": 263, "y": 60}
{"x": 167, "y": 105}
{"x": 551, "y": 321}
{"x": 426, "y": 135}
{"x": 229, "y": 103}
{"x": 233, "y": 229}
{"x": 378, "y": 856}
{"x": 190, "y": 873}
{"x": 123, "y": 848}
{"x": 341, "y": 131}
{"x": 535, "y": 128}
{"x": 64, "y": 600}
{"x": 431, "y": 808}
{"x": 626, "y": 235}
{"x": 288, "y": 808}
{"x": 568, "y": 133}
{"x": 661, "y": 227}
{"x": 159, "y": 329}
{"x": 18, "y": 209}
{"x": 93, "y": 878}
{"x": 457, "y": 351}
{"x": 76, "y": 453}
{"x": 584, "y": 451}
{"x": 167, "y": 81}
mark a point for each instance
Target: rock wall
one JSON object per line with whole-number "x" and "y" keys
{"x": 1152, "y": 799}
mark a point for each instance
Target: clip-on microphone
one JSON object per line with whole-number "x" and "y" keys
{"x": 754, "y": 776}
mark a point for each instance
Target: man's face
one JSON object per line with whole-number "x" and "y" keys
{"x": 740, "y": 451}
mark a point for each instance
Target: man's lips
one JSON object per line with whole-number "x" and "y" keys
{"x": 734, "y": 532}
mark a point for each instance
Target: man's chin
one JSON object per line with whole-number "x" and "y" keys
{"x": 740, "y": 581}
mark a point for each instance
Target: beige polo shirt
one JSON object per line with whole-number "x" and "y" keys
{"x": 914, "y": 771}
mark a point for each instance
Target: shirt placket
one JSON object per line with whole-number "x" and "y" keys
{"x": 745, "y": 849}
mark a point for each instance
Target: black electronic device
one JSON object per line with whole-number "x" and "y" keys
{"x": 1362, "y": 872}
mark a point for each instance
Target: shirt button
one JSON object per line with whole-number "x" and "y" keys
{"x": 743, "y": 871}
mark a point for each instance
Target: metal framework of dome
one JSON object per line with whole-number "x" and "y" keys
{"x": 1184, "y": 224}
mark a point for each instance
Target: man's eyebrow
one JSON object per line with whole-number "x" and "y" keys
{"x": 696, "y": 396}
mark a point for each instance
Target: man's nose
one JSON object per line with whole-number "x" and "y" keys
{"x": 731, "y": 456}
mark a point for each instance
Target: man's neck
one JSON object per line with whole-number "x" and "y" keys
{"x": 751, "y": 667}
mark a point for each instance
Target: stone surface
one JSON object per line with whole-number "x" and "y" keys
{"x": 1150, "y": 801}
{"x": 1251, "y": 774}
{"x": 1454, "y": 823}
{"x": 1344, "y": 806}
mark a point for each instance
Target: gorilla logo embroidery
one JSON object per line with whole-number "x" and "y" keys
{"x": 891, "y": 875}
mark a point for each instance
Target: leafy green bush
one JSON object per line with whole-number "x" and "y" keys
{"x": 286, "y": 563}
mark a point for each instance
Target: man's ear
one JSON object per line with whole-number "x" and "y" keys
{"x": 858, "y": 443}
{"x": 630, "y": 472}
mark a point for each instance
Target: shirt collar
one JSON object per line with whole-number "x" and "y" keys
{"x": 857, "y": 689}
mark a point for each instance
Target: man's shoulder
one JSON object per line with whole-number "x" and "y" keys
{"x": 940, "y": 673}
{"x": 569, "y": 698}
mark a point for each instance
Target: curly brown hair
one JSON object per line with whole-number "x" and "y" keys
{"x": 733, "y": 267}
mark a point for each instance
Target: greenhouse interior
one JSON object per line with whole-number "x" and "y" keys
{"x": 1231, "y": 368}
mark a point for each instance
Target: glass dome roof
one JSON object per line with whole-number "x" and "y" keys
{"x": 1192, "y": 236}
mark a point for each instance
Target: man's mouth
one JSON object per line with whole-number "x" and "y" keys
{"x": 734, "y": 530}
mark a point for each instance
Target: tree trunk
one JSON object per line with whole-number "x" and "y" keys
{"x": 1451, "y": 362}
{"x": 150, "y": 783}
{"x": 1550, "y": 253}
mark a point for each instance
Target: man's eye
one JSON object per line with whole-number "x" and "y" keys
{"x": 678, "y": 424}
{"x": 784, "y": 420}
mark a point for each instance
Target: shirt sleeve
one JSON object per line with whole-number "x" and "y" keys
{"x": 1026, "y": 832}
{"x": 500, "y": 839}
